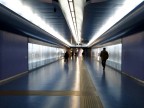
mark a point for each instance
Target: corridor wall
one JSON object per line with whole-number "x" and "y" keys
{"x": 127, "y": 57}
{"x": 13, "y": 54}
{"x": 114, "y": 51}
{"x": 133, "y": 55}
{"x": 19, "y": 54}
{"x": 40, "y": 55}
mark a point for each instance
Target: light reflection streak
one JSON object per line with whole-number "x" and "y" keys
{"x": 77, "y": 84}
{"x": 75, "y": 103}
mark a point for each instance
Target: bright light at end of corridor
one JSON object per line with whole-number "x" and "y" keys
{"x": 123, "y": 10}
{"x": 26, "y": 11}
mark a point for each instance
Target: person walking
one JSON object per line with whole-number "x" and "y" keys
{"x": 66, "y": 56}
{"x": 104, "y": 56}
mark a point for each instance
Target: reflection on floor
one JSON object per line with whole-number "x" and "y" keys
{"x": 115, "y": 89}
{"x": 80, "y": 83}
{"x": 58, "y": 85}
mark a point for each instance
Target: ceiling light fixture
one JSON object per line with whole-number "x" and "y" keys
{"x": 27, "y": 12}
{"x": 73, "y": 11}
{"x": 67, "y": 13}
{"x": 128, "y": 5}
{"x": 71, "y": 6}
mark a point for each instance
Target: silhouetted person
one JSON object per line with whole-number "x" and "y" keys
{"x": 104, "y": 56}
{"x": 66, "y": 56}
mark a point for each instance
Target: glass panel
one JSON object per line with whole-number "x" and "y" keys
{"x": 114, "y": 51}
{"x": 40, "y": 55}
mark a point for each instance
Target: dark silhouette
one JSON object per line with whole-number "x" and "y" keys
{"x": 66, "y": 56}
{"x": 104, "y": 56}
{"x": 66, "y": 67}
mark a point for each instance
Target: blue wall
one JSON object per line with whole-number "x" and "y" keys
{"x": 13, "y": 55}
{"x": 133, "y": 55}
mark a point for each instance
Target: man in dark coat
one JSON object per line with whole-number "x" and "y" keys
{"x": 104, "y": 56}
{"x": 66, "y": 56}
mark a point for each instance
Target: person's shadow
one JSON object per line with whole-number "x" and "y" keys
{"x": 66, "y": 67}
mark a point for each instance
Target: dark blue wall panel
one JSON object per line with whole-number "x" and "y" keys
{"x": 0, "y": 53}
{"x": 133, "y": 55}
{"x": 14, "y": 53}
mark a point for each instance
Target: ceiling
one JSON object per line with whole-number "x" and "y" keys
{"x": 52, "y": 14}
{"x": 95, "y": 15}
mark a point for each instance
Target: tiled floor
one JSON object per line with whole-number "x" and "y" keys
{"x": 57, "y": 85}
{"x": 65, "y": 85}
{"x": 115, "y": 89}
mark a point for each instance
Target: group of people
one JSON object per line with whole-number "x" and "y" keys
{"x": 70, "y": 53}
{"x": 103, "y": 54}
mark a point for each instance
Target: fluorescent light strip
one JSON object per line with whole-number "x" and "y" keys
{"x": 75, "y": 24}
{"x": 71, "y": 6}
{"x": 66, "y": 11}
{"x": 79, "y": 7}
{"x": 127, "y": 6}
{"x": 74, "y": 19}
{"x": 73, "y": 16}
{"x": 26, "y": 12}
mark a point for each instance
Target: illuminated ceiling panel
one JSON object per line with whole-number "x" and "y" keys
{"x": 27, "y": 12}
{"x": 118, "y": 12}
{"x": 87, "y": 21}
{"x": 73, "y": 11}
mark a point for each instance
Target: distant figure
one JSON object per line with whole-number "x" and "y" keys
{"x": 104, "y": 56}
{"x": 66, "y": 56}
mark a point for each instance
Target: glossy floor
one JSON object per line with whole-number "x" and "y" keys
{"x": 62, "y": 80}
{"x": 115, "y": 89}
